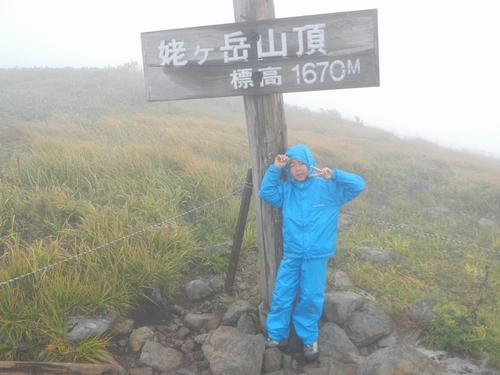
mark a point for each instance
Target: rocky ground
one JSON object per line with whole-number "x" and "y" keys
{"x": 165, "y": 319}
{"x": 167, "y": 323}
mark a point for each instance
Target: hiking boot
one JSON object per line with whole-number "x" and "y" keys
{"x": 311, "y": 352}
{"x": 270, "y": 343}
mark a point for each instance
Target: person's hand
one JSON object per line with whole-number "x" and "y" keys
{"x": 326, "y": 173}
{"x": 281, "y": 161}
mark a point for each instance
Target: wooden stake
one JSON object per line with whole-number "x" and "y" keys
{"x": 239, "y": 232}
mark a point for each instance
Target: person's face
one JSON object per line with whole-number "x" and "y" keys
{"x": 298, "y": 170}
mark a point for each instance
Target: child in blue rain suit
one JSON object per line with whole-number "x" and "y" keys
{"x": 310, "y": 201}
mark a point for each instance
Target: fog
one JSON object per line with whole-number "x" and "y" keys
{"x": 438, "y": 60}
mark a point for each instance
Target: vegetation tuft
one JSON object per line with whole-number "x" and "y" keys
{"x": 86, "y": 164}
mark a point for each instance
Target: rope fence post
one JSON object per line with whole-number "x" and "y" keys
{"x": 239, "y": 232}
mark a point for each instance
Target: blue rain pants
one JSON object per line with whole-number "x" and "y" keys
{"x": 304, "y": 276}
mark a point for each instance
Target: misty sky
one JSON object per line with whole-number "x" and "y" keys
{"x": 439, "y": 60}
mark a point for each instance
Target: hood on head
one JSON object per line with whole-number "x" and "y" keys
{"x": 302, "y": 153}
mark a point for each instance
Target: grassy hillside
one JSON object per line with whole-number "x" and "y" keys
{"x": 85, "y": 161}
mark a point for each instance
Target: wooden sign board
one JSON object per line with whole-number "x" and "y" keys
{"x": 318, "y": 52}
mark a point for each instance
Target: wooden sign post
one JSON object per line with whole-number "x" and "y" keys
{"x": 260, "y": 57}
{"x": 267, "y": 137}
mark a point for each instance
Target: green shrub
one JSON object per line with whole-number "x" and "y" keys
{"x": 455, "y": 330}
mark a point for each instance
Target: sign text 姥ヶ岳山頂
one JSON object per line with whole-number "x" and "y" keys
{"x": 318, "y": 52}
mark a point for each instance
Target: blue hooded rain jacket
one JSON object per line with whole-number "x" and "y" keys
{"x": 310, "y": 217}
{"x": 310, "y": 208}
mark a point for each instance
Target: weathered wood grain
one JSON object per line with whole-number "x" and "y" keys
{"x": 267, "y": 137}
{"x": 342, "y": 54}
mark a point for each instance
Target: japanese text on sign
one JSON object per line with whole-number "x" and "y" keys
{"x": 319, "y": 52}
{"x": 236, "y": 48}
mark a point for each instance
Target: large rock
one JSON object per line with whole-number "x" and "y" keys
{"x": 158, "y": 357}
{"x": 201, "y": 322}
{"x": 247, "y": 325}
{"x": 420, "y": 312}
{"x": 272, "y": 360}
{"x": 84, "y": 327}
{"x": 339, "y": 306}
{"x": 197, "y": 289}
{"x": 366, "y": 326}
{"x": 236, "y": 311}
{"x": 139, "y": 337}
{"x": 230, "y": 351}
{"x": 334, "y": 343}
{"x": 400, "y": 360}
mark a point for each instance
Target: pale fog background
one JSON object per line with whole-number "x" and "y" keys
{"x": 439, "y": 60}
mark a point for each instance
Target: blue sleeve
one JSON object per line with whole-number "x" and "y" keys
{"x": 346, "y": 186}
{"x": 271, "y": 187}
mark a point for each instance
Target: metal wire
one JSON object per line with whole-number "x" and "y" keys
{"x": 43, "y": 269}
